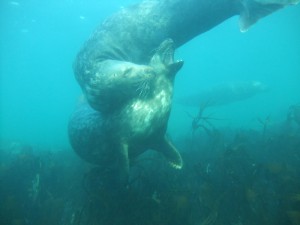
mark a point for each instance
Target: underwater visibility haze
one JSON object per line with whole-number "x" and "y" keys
{"x": 39, "y": 42}
{"x": 235, "y": 120}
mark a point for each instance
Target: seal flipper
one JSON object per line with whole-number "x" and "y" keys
{"x": 122, "y": 163}
{"x": 253, "y": 10}
{"x": 170, "y": 152}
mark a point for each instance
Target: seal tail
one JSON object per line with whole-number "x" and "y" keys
{"x": 253, "y": 10}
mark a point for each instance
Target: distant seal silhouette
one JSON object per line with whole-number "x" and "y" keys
{"x": 120, "y": 64}
{"x": 114, "y": 138}
{"x": 223, "y": 94}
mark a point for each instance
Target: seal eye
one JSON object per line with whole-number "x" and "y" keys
{"x": 147, "y": 70}
{"x": 148, "y": 73}
{"x": 128, "y": 71}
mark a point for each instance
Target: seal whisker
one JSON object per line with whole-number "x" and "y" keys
{"x": 143, "y": 88}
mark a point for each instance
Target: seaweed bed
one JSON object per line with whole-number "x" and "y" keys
{"x": 230, "y": 177}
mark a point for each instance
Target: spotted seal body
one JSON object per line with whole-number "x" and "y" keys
{"x": 114, "y": 138}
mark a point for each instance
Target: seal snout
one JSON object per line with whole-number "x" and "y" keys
{"x": 163, "y": 59}
{"x": 166, "y": 51}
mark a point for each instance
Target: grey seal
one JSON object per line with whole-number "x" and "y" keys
{"x": 114, "y": 138}
{"x": 126, "y": 72}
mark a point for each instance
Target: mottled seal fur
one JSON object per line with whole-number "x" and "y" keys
{"x": 116, "y": 137}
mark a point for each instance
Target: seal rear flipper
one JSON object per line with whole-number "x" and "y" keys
{"x": 253, "y": 10}
{"x": 170, "y": 152}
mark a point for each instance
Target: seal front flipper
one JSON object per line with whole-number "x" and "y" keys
{"x": 170, "y": 152}
{"x": 121, "y": 163}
